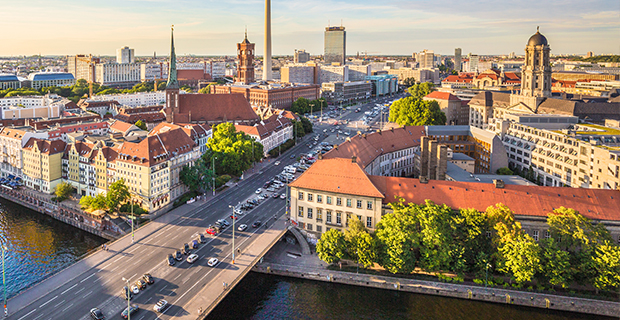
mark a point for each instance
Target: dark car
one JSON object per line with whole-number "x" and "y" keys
{"x": 292, "y": 156}
{"x": 141, "y": 284}
{"x": 148, "y": 278}
{"x": 126, "y": 293}
{"x": 194, "y": 244}
{"x": 129, "y": 311}
{"x": 170, "y": 260}
{"x": 202, "y": 239}
{"x": 256, "y": 224}
{"x": 96, "y": 314}
{"x": 186, "y": 249}
{"x": 178, "y": 256}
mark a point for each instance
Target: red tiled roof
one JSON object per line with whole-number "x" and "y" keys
{"x": 339, "y": 176}
{"x": 156, "y": 148}
{"x": 46, "y": 147}
{"x": 459, "y": 78}
{"x": 216, "y": 107}
{"x": 367, "y": 147}
{"x": 441, "y": 96}
{"x": 595, "y": 204}
{"x": 120, "y": 126}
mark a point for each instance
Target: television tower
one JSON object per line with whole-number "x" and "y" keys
{"x": 267, "y": 54}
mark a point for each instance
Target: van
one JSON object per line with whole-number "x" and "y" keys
{"x": 291, "y": 170}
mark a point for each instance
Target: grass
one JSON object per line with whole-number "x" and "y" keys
{"x": 605, "y": 130}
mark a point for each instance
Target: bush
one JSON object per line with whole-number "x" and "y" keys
{"x": 137, "y": 210}
{"x": 285, "y": 146}
{"x": 221, "y": 180}
{"x": 478, "y": 281}
{"x": 180, "y": 201}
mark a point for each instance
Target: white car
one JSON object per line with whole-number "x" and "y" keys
{"x": 212, "y": 262}
{"x": 277, "y": 163}
{"x": 283, "y": 196}
{"x": 192, "y": 257}
{"x": 259, "y": 190}
{"x": 135, "y": 289}
{"x": 161, "y": 305}
{"x": 242, "y": 227}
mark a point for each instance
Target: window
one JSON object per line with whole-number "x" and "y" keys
{"x": 338, "y": 201}
{"x": 309, "y": 226}
{"x": 319, "y": 198}
{"x": 300, "y": 212}
{"x": 329, "y": 200}
{"x": 369, "y": 205}
{"x": 301, "y": 196}
{"x": 488, "y": 234}
{"x": 359, "y": 217}
{"x": 359, "y": 204}
{"x": 328, "y": 216}
{"x": 309, "y": 213}
{"x": 319, "y": 214}
{"x": 368, "y": 222}
{"x": 309, "y": 196}
{"x": 338, "y": 217}
{"x": 535, "y": 235}
{"x": 547, "y": 234}
{"x": 319, "y": 228}
{"x": 349, "y": 203}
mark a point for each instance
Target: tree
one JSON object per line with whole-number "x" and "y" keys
{"x": 197, "y": 176}
{"x": 504, "y": 171}
{"x": 409, "y": 82}
{"x": 232, "y": 150}
{"x": 307, "y": 125}
{"x": 63, "y": 191}
{"x": 140, "y": 124}
{"x": 301, "y": 106}
{"x": 607, "y": 267}
{"x": 410, "y": 111}
{"x": 521, "y": 257}
{"x": 86, "y": 202}
{"x": 359, "y": 243}
{"x": 118, "y": 193}
{"x": 99, "y": 202}
{"x": 298, "y": 129}
{"x": 205, "y": 90}
{"x": 421, "y": 90}
{"x": 397, "y": 240}
{"x": 555, "y": 267}
{"x": 331, "y": 247}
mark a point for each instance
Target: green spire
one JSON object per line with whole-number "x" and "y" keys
{"x": 172, "y": 70}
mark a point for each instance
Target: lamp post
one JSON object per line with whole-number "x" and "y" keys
{"x": 131, "y": 217}
{"x": 6, "y": 310}
{"x": 128, "y": 293}
{"x": 233, "y": 233}
{"x": 213, "y": 167}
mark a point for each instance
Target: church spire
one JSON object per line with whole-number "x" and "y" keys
{"x": 172, "y": 70}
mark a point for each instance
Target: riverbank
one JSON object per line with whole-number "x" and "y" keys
{"x": 284, "y": 261}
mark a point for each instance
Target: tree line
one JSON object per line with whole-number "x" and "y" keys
{"x": 436, "y": 238}
{"x": 414, "y": 111}
{"x": 303, "y": 105}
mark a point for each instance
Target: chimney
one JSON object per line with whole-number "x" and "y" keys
{"x": 336, "y": 146}
{"x": 354, "y": 159}
{"x": 320, "y": 156}
{"x": 423, "y": 179}
{"x": 499, "y": 184}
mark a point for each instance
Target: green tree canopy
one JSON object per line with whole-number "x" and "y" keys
{"x": 232, "y": 150}
{"x": 607, "y": 267}
{"x": 415, "y": 112}
{"x": 420, "y": 90}
{"x": 118, "y": 193}
{"x": 206, "y": 90}
{"x": 398, "y": 240}
{"x": 140, "y": 124}
{"x": 331, "y": 248}
{"x": 504, "y": 171}
{"x": 409, "y": 82}
{"x": 63, "y": 191}
{"x": 196, "y": 177}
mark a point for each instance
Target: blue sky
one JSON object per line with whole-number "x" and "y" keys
{"x": 379, "y": 27}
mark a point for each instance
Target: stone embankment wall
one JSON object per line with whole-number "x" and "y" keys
{"x": 528, "y": 299}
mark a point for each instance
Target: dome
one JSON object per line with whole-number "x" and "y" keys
{"x": 537, "y": 39}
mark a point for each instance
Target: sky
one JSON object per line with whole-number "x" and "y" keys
{"x": 398, "y": 27}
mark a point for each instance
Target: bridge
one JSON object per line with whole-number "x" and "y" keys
{"x": 192, "y": 290}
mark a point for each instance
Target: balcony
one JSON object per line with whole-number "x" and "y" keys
{"x": 319, "y": 220}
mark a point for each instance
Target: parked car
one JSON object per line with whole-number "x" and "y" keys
{"x": 277, "y": 163}
{"x": 256, "y": 224}
{"x": 126, "y": 293}
{"x": 212, "y": 262}
{"x": 259, "y": 190}
{"x": 234, "y": 217}
{"x": 186, "y": 250}
{"x": 135, "y": 289}
{"x": 129, "y": 311}
{"x": 283, "y": 196}
{"x": 161, "y": 305}
{"x": 170, "y": 260}
{"x": 178, "y": 256}
{"x": 192, "y": 257}
{"x": 202, "y": 238}
{"x": 242, "y": 227}
{"x": 275, "y": 196}
{"x": 141, "y": 284}
{"x": 148, "y": 278}
{"x": 212, "y": 230}
{"x": 96, "y": 314}
{"x": 224, "y": 222}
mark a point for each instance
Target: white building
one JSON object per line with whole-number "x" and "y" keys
{"x": 11, "y": 142}
{"x": 50, "y": 79}
{"x": 134, "y": 99}
{"x": 153, "y": 71}
{"x": 359, "y": 72}
{"x": 334, "y": 74}
{"x": 125, "y": 55}
{"x": 298, "y": 73}
{"x": 117, "y": 74}
{"x": 270, "y": 132}
{"x": 22, "y": 107}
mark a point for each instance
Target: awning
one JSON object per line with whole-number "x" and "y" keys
{"x": 18, "y": 179}
{"x": 11, "y": 176}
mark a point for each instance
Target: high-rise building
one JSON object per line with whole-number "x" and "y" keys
{"x": 82, "y": 66}
{"x": 335, "y": 45}
{"x": 301, "y": 56}
{"x": 473, "y": 62}
{"x": 245, "y": 67}
{"x": 457, "y": 59}
{"x": 426, "y": 59}
{"x": 125, "y": 55}
{"x": 267, "y": 72}
{"x": 590, "y": 54}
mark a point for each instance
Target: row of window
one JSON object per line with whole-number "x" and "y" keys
{"x": 328, "y": 200}
{"x": 309, "y": 214}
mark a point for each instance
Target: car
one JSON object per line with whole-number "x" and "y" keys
{"x": 192, "y": 257}
{"x": 135, "y": 289}
{"x": 212, "y": 262}
{"x": 292, "y": 156}
{"x": 202, "y": 238}
{"x": 194, "y": 244}
{"x": 234, "y": 216}
{"x": 148, "y": 278}
{"x": 256, "y": 224}
{"x": 129, "y": 311}
{"x": 186, "y": 250}
{"x": 275, "y": 196}
{"x": 223, "y": 222}
{"x": 126, "y": 294}
{"x": 141, "y": 284}
{"x": 242, "y": 227}
{"x": 96, "y": 314}
{"x": 277, "y": 163}
{"x": 178, "y": 255}
{"x": 161, "y": 305}
{"x": 259, "y": 190}
{"x": 170, "y": 260}
{"x": 211, "y": 231}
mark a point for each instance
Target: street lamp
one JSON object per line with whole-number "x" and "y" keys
{"x": 127, "y": 293}
{"x": 6, "y": 310}
{"x": 213, "y": 167}
{"x": 233, "y": 233}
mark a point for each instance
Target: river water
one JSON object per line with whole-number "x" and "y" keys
{"x": 38, "y": 246}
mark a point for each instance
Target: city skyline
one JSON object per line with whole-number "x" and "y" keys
{"x": 397, "y": 28}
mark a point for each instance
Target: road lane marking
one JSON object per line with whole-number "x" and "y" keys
{"x": 134, "y": 249}
{"x": 48, "y": 301}
{"x": 80, "y": 290}
{"x": 27, "y": 314}
{"x": 87, "y": 278}
{"x": 115, "y": 268}
{"x": 162, "y": 289}
{"x": 73, "y": 286}
{"x": 107, "y": 281}
{"x": 61, "y": 302}
{"x": 69, "y": 306}
{"x": 88, "y": 294}
{"x": 39, "y": 316}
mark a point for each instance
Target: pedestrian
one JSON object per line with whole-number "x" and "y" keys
{"x": 200, "y": 310}
{"x": 103, "y": 247}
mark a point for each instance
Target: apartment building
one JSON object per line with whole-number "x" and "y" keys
{"x": 134, "y": 99}
{"x": 335, "y": 92}
{"x": 270, "y": 132}
{"x": 42, "y": 163}
{"x": 12, "y": 140}
{"x": 117, "y": 74}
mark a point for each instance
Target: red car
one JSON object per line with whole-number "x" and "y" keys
{"x": 211, "y": 231}
{"x": 233, "y": 217}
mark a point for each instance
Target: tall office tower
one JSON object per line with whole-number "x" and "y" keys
{"x": 301, "y": 56}
{"x": 427, "y": 59}
{"x": 335, "y": 45}
{"x": 82, "y": 66}
{"x": 245, "y": 54}
{"x": 457, "y": 59}
{"x": 267, "y": 56}
{"x": 473, "y": 62}
{"x": 536, "y": 77}
{"x": 125, "y": 55}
